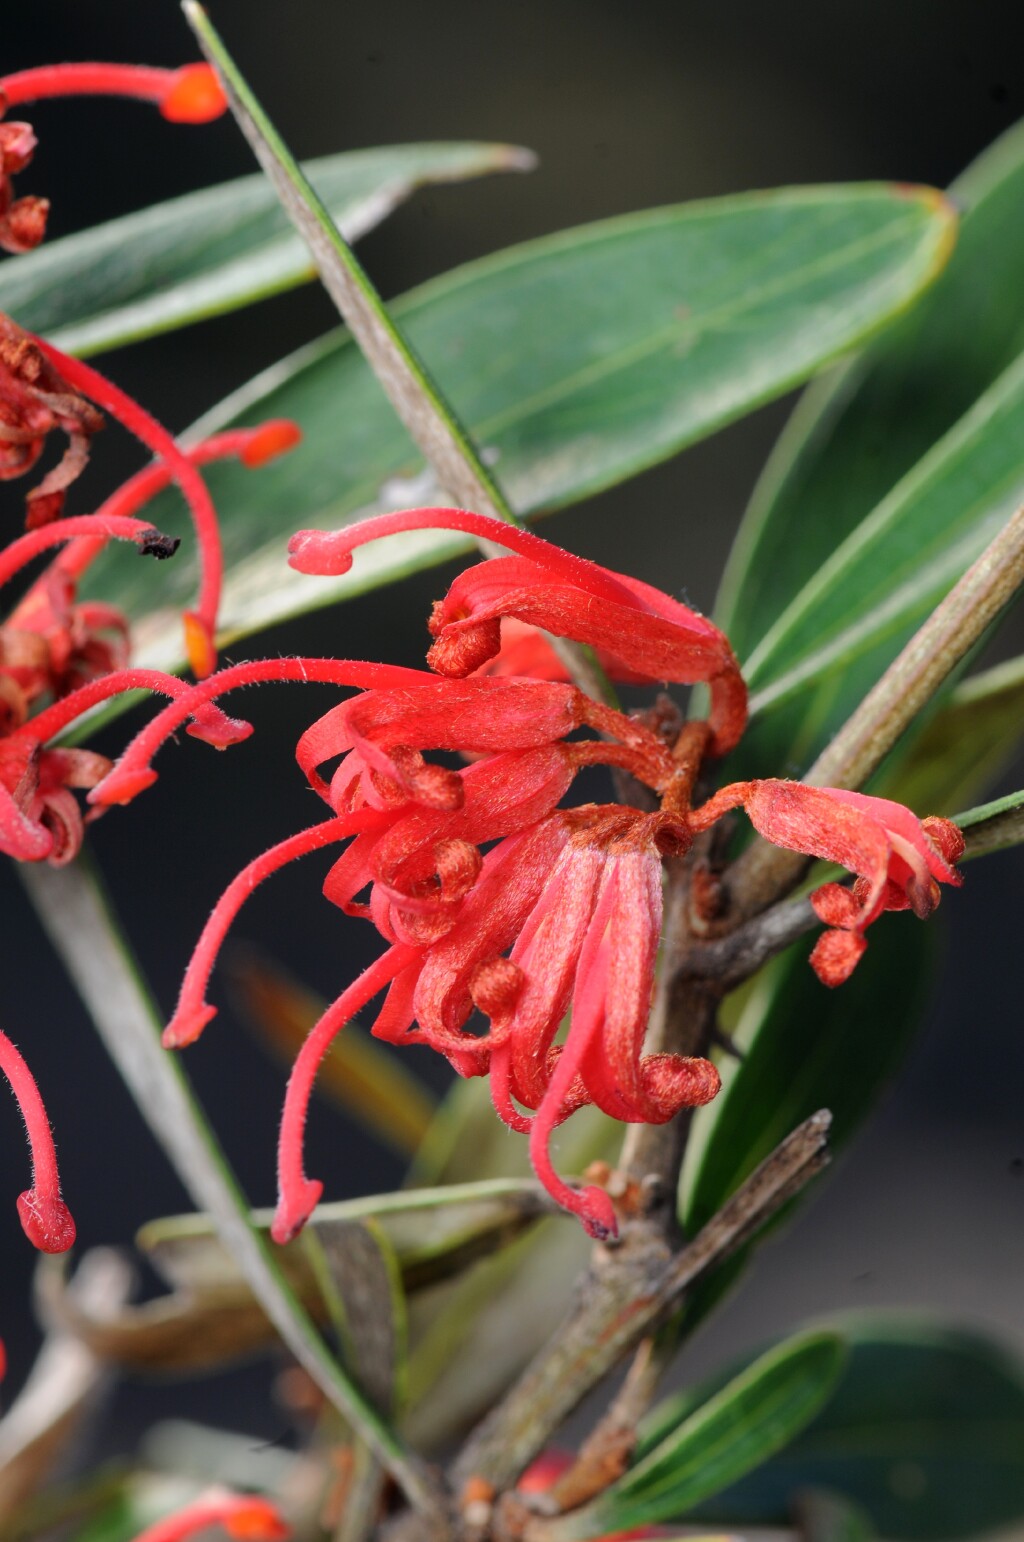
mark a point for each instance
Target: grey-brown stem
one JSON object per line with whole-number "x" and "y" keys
{"x": 625, "y": 1295}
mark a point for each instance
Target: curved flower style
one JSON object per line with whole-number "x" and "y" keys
{"x": 45, "y": 1218}
{"x": 39, "y": 819}
{"x": 191, "y": 94}
{"x": 638, "y": 631}
{"x": 900, "y": 860}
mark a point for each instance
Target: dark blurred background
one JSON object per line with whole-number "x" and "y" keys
{"x": 627, "y": 107}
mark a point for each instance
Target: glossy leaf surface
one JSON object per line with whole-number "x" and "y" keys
{"x": 857, "y": 432}
{"x": 575, "y": 361}
{"x": 737, "y": 1429}
{"x": 217, "y": 249}
{"x": 862, "y": 519}
{"x": 925, "y": 1433}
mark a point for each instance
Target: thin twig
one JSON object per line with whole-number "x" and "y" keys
{"x": 627, "y": 1292}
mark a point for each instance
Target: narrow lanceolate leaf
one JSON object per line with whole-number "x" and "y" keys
{"x": 925, "y": 1433}
{"x": 836, "y": 544}
{"x": 856, "y": 433}
{"x": 964, "y": 747}
{"x": 879, "y": 584}
{"x": 740, "y": 1427}
{"x": 994, "y": 826}
{"x": 215, "y": 250}
{"x": 575, "y": 361}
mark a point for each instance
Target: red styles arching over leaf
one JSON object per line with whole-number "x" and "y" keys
{"x": 45, "y": 1218}
{"x": 899, "y": 860}
{"x": 191, "y": 94}
{"x": 636, "y": 628}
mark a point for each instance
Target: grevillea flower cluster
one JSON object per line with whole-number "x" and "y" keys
{"x": 498, "y": 902}
{"x": 61, "y": 656}
{"x": 492, "y": 895}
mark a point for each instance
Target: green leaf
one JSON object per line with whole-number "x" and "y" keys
{"x": 215, "y": 250}
{"x": 857, "y": 432}
{"x": 806, "y": 1047}
{"x": 964, "y": 747}
{"x": 868, "y": 596}
{"x": 398, "y": 1242}
{"x": 861, "y": 519}
{"x": 575, "y": 361}
{"x": 737, "y": 1429}
{"x": 925, "y": 1432}
{"x": 103, "y": 970}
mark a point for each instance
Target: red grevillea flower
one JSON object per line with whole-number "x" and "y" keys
{"x": 35, "y": 400}
{"x": 900, "y": 860}
{"x": 246, "y": 1517}
{"x": 192, "y": 94}
{"x": 45, "y": 1218}
{"x": 576, "y": 894}
{"x": 636, "y": 628}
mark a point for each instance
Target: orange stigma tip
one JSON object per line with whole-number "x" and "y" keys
{"x": 195, "y": 95}
{"x": 199, "y": 649}
{"x": 271, "y": 440}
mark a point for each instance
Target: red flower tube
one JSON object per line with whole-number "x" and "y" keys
{"x": 635, "y": 627}
{"x": 899, "y": 860}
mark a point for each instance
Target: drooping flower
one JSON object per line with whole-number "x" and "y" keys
{"x": 899, "y": 860}
{"x": 589, "y": 880}
{"x": 637, "y": 629}
{"x": 45, "y": 1218}
{"x": 191, "y": 94}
